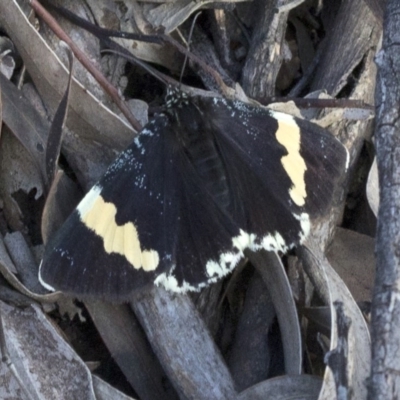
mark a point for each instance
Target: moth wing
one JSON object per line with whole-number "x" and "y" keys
{"x": 283, "y": 170}
{"x": 152, "y": 219}
{"x": 148, "y": 219}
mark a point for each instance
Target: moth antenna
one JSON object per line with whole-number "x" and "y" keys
{"x": 188, "y": 46}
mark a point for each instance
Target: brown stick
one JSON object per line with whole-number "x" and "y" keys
{"x": 81, "y": 57}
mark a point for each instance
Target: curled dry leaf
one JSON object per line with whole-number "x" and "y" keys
{"x": 338, "y": 357}
{"x": 18, "y": 174}
{"x": 11, "y": 385}
{"x": 55, "y": 136}
{"x": 252, "y": 355}
{"x": 331, "y": 288}
{"x": 304, "y": 43}
{"x": 87, "y": 116}
{"x": 25, "y": 122}
{"x": 305, "y": 387}
{"x": 83, "y": 39}
{"x": 8, "y": 271}
{"x": 88, "y": 158}
{"x": 270, "y": 266}
{"x": 352, "y": 255}
{"x": 104, "y": 391}
{"x": 48, "y": 366}
{"x": 353, "y": 35}
{"x": 170, "y": 15}
{"x": 110, "y": 16}
{"x": 24, "y": 261}
{"x": 63, "y": 196}
{"x": 84, "y": 149}
{"x": 128, "y": 345}
{"x": 5, "y": 259}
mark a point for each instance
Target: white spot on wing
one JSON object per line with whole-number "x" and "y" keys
{"x": 274, "y": 242}
{"x": 226, "y": 264}
{"x": 87, "y": 202}
{"x": 244, "y": 240}
{"x": 170, "y": 283}
{"x": 216, "y": 269}
{"x": 305, "y": 225}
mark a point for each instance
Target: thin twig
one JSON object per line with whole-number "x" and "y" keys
{"x": 217, "y": 77}
{"x": 320, "y": 103}
{"x": 83, "y": 59}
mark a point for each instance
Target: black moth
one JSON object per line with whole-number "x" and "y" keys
{"x": 202, "y": 182}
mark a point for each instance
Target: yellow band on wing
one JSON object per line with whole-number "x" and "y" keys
{"x": 99, "y": 216}
{"x": 288, "y": 135}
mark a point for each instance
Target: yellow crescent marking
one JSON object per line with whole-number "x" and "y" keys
{"x": 99, "y": 216}
{"x": 288, "y": 135}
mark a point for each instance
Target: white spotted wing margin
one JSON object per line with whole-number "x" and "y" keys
{"x": 153, "y": 219}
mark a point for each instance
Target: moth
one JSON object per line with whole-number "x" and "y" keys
{"x": 202, "y": 182}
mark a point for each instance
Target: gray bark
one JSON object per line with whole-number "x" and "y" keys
{"x": 385, "y": 372}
